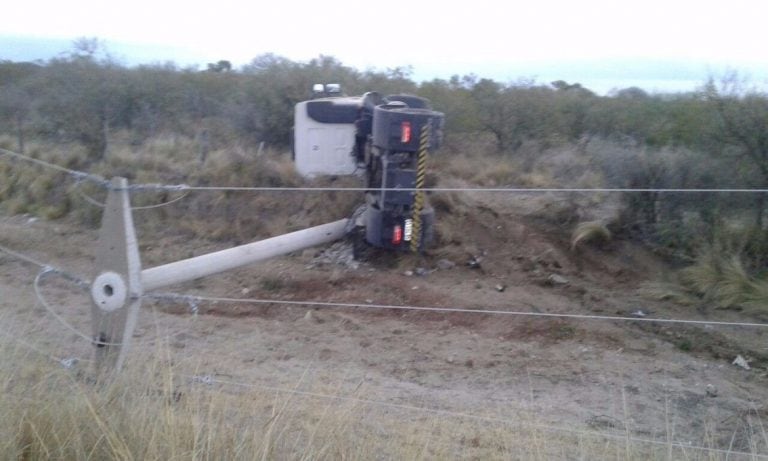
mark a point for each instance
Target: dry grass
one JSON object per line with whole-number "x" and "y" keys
{"x": 722, "y": 275}
{"x": 714, "y": 281}
{"x": 231, "y": 216}
{"x": 239, "y": 217}
{"x": 590, "y": 232}
{"x": 152, "y": 411}
{"x": 26, "y": 188}
{"x": 719, "y": 280}
{"x": 487, "y": 170}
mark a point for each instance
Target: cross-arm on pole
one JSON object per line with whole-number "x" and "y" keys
{"x": 116, "y": 290}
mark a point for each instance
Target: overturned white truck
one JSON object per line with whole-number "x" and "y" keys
{"x": 386, "y": 141}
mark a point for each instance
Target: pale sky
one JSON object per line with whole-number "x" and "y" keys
{"x": 588, "y": 39}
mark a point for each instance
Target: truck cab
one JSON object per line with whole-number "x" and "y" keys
{"x": 324, "y": 135}
{"x": 384, "y": 140}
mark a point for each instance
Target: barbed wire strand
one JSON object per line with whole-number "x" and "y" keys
{"x": 23, "y": 257}
{"x": 46, "y": 271}
{"x": 683, "y": 445}
{"x": 193, "y": 300}
{"x": 98, "y": 204}
{"x": 173, "y": 297}
{"x": 70, "y": 362}
{"x": 29, "y": 346}
{"x": 79, "y": 281}
{"x": 38, "y": 292}
{"x": 184, "y": 187}
{"x": 90, "y": 199}
{"x": 159, "y": 205}
{"x": 78, "y": 175}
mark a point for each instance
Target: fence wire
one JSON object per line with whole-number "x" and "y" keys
{"x": 196, "y": 300}
{"x": 77, "y": 175}
{"x": 81, "y": 175}
{"x": 209, "y": 380}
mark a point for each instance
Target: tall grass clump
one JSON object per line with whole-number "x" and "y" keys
{"x": 728, "y": 272}
{"x": 590, "y": 231}
{"x": 29, "y": 188}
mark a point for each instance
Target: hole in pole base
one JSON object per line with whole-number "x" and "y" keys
{"x": 101, "y": 340}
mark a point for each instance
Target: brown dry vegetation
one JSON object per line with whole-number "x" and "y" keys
{"x": 153, "y": 411}
{"x": 156, "y": 410}
{"x": 695, "y": 256}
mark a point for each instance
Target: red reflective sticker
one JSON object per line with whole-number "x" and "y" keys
{"x": 397, "y": 235}
{"x": 405, "y": 133}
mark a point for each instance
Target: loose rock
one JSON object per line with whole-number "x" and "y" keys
{"x": 711, "y": 391}
{"x": 445, "y": 264}
{"x": 474, "y": 262}
{"x": 557, "y": 279}
{"x": 311, "y": 317}
{"x": 339, "y": 254}
{"x": 740, "y": 361}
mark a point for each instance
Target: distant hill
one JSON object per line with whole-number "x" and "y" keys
{"x": 599, "y": 75}
{"x": 20, "y": 49}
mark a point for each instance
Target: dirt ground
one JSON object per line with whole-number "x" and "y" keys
{"x": 654, "y": 380}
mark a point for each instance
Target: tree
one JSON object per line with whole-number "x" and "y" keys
{"x": 17, "y": 81}
{"x": 452, "y": 98}
{"x": 83, "y": 99}
{"x": 16, "y": 105}
{"x": 573, "y": 104}
{"x": 742, "y": 118}
{"x": 220, "y": 66}
{"x": 496, "y": 114}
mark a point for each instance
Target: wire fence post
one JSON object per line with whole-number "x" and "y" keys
{"x": 116, "y": 289}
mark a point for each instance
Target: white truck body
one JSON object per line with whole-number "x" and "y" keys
{"x": 324, "y": 136}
